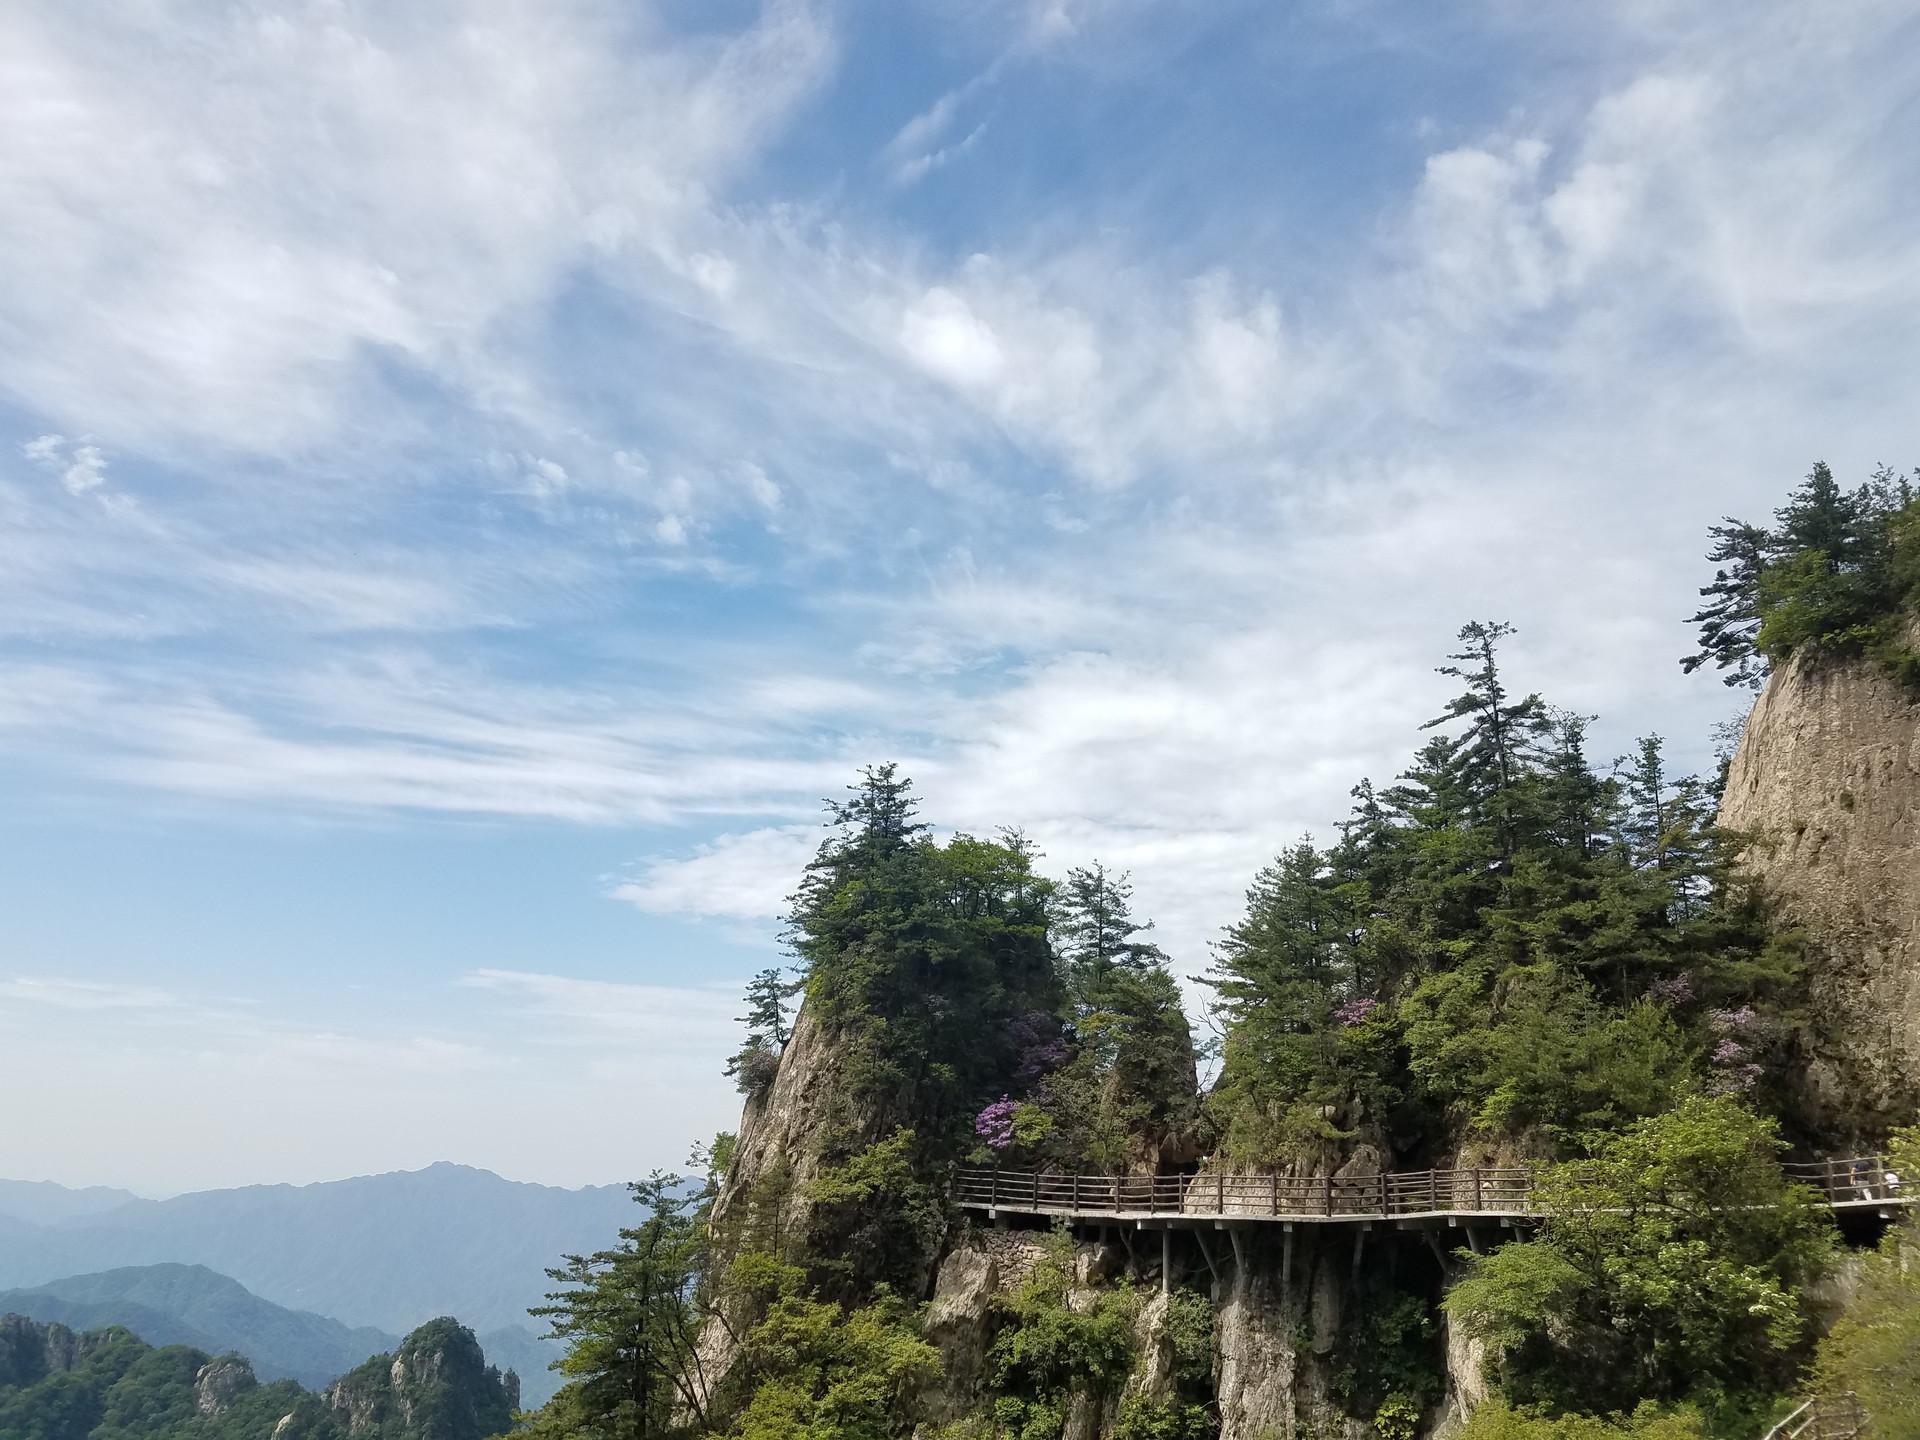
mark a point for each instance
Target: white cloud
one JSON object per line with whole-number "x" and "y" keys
{"x": 675, "y": 1018}
{"x": 85, "y": 994}
{"x": 80, "y": 465}
{"x": 941, "y": 332}
{"x": 743, "y": 876}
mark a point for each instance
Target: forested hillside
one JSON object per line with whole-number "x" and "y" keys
{"x": 108, "y": 1384}
{"x": 192, "y": 1305}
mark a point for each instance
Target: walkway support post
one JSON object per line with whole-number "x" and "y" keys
{"x": 1166, "y": 1260}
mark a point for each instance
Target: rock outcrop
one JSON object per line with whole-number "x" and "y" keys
{"x": 438, "y": 1370}
{"x": 220, "y": 1382}
{"x": 1827, "y": 781}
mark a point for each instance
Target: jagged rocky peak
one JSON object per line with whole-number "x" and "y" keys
{"x": 1827, "y": 781}
{"x": 30, "y": 1351}
{"x": 221, "y": 1381}
{"x": 438, "y": 1369}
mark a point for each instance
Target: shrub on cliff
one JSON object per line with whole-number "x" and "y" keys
{"x": 1667, "y": 1267}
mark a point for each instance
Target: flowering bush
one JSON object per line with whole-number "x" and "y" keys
{"x": 1355, "y": 1012}
{"x": 994, "y": 1125}
{"x": 1671, "y": 990}
{"x": 1038, "y": 1045}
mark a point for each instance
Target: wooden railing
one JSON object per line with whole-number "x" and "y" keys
{"x": 1502, "y": 1190}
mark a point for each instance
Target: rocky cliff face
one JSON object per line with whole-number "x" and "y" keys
{"x": 1827, "y": 780}
{"x": 784, "y": 1133}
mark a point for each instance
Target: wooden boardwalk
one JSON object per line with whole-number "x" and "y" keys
{"x": 1861, "y": 1182}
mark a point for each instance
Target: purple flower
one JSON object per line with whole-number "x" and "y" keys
{"x": 1732, "y": 1022}
{"x": 1736, "y": 1080}
{"x": 1671, "y": 990}
{"x": 1039, "y": 1048}
{"x": 1355, "y": 1012}
{"x": 1729, "y": 1052}
{"x": 995, "y": 1123}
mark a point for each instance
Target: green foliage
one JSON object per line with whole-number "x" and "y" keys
{"x": 1666, "y": 1268}
{"x": 1044, "y": 1350}
{"x": 753, "y": 1066}
{"x": 109, "y": 1385}
{"x": 1838, "y": 573}
{"x": 1505, "y": 940}
{"x": 1390, "y": 1366}
{"x": 629, "y": 1321}
{"x": 1496, "y": 1420}
{"x": 1144, "y": 1419}
{"x": 1873, "y": 1351}
{"x": 812, "y": 1369}
{"x": 873, "y": 1217}
{"x": 917, "y": 956}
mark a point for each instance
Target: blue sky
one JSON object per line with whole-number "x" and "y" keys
{"x": 473, "y": 476}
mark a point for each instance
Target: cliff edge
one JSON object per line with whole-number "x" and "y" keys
{"x": 1827, "y": 782}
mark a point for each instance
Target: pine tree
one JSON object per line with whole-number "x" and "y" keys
{"x": 767, "y": 996}
{"x": 1501, "y": 738}
{"x": 1094, "y": 932}
{"x": 1730, "y": 620}
{"x": 630, "y": 1323}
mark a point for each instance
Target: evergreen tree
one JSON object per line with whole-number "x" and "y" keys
{"x": 1730, "y": 620}
{"x": 1838, "y": 573}
{"x": 753, "y": 1065}
{"x": 628, "y": 1318}
{"x": 1094, "y": 933}
{"x": 1501, "y": 738}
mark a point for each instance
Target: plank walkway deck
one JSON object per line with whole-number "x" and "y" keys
{"x": 1861, "y": 1182}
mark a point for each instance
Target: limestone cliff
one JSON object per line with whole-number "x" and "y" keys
{"x": 786, "y": 1132}
{"x": 1827, "y": 781}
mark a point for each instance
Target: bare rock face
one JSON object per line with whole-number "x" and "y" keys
{"x": 763, "y": 1196}
{"x": 957, "y": 1323}
{"x": 1827, "y": 781}
{"x": 220, "y": 1382}
{"x": 1266, "y": 1380}
{"x": 1466, "y": 1379}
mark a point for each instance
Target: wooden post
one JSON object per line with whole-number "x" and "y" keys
{"x": 1477, "y": 1203}
{"x": 1076, "y": 1191}
{"x": 1384, "y": 1203}
{"x": 1326, "y": 1194}
{"x": 1273, "y": 1184}
{"x": 993, "y": 1195}
{"x": 1433, "y": 1190}
{"x": 1220, "y": 1193}
{"x": 1832, "y": 1194}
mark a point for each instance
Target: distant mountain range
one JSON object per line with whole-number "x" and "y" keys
{"x": 192, "y": 1305}
{"x": 389, "y": 1251}
{"x": 41, "y": 1202}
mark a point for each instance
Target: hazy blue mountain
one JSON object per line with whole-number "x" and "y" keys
{"x": 390, "y": 1251}
{"x": 41, "y": 1202}
{"x": 192, "y": 1305}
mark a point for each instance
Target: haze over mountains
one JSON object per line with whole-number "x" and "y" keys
{"x": 389, "y": 1251}
{"x": 306, "y": 1280}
